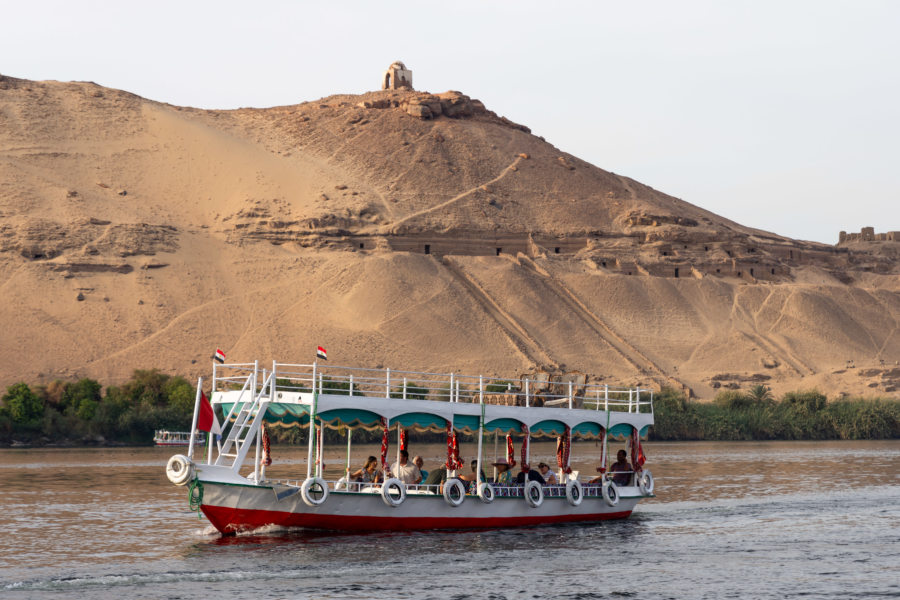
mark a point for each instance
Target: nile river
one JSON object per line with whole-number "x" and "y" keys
{"x": 730, "y": 520}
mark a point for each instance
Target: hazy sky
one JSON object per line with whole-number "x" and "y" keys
{"x": 779, "y": 115}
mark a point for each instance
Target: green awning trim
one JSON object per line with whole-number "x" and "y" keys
{"x": 503, "y": 426}
{"x": 282, "y": 415}
{"x": 421, "y": 421}
{"x": 549, "y": 427}
{"x": 588, "y": 429}
{"x": 620, "y": 431}
{"x": 350, "y": 416}
{"x": 645, "y": 432}
{"x": 467, "y": 423}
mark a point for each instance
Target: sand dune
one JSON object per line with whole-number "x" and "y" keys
{"x": 135, "y": 234}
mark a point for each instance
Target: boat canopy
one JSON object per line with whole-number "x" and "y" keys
{"x": 369, "y": 398}
{"x": 586, "y": 426}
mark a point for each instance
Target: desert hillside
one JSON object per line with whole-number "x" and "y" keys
{"x": 402, "y": 229}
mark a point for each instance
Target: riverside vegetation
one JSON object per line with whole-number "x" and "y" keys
{"x": 81, "y": 412}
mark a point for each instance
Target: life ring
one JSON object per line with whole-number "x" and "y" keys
{"x": 454, "y": 492}
{"x": 387, "y": 487}
{"x": 611, "y": 493}
{"x": 180, "y": 469}
{"x": 534, "y": 494}
{"x": 306, "y": 491}
{"x": 574, "y": 492}
{"x": 486, "y": 492}
{"x": 645, "y": 483}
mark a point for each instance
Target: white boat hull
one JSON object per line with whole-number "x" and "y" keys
{"x": 237, "y": 507}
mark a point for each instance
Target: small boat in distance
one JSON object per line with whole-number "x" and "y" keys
{"x": 229, "y": 484}
{"x": 164, "y": 437}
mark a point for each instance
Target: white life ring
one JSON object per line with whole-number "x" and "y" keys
{"x": 180, "y": 469}
{"x": 611, "y": 492}
{"x": 305, "y": 491}
{"x": 574, "y": 492}
{"x": 386, "y": 495}
{"x": 645, "y": 483}
{"x": 486, "y": 492}
{"x": 454, "y": 492}
{"x": 534, "y": 494}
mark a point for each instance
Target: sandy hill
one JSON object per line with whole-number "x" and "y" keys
{"x": 402, "y": 229}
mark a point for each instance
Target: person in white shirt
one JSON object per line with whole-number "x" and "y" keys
{"x": 405, "y": 471}
{"x": 549, "y": 476}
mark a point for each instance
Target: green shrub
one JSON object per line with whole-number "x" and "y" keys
{"x": 23, "y": 405}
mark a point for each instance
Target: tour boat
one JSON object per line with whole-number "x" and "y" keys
{"x": 164, "y": 437}
{"x": 229, "y": 484}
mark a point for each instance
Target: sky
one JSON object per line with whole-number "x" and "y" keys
{"x": 780, "y": 115}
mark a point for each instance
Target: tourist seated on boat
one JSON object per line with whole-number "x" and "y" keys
{"x": 405, "y": 471}
{"x": 504, "y": 477}
{"x": 471, "y": 477}
{"x": 437, "y": 477}
{"x": 532, "y": 476}
{"x": 621, "y": 468}
{"x": 369, "y": 473}
{"x": 419, "y": 463}
{"x": 548, "y": 475}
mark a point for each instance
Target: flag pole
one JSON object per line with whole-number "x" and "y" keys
{"x": 194, "y": 420}
{"x": 312, "y": 420}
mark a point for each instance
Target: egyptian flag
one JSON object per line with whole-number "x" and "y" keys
{"x": 219, "y": 356}
{"x": 320, "y": 353}
{"x": 206, "y": 418}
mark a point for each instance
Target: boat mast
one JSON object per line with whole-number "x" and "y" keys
{"x": 312, "y": 422}
{"x": 480, "y": 432}
{"x": 194, "y": 420}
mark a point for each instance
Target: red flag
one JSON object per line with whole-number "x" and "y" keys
{"x": 320, "y": 353}
{"x": 206, "y": 418}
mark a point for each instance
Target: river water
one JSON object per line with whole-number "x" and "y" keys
{"x": 730, "y": 520}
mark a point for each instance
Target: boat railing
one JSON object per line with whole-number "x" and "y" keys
{"x": 445, "y": 387}
{"x": 506, "y": 489}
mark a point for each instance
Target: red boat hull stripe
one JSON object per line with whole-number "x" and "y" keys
{"x": 229, "y": 520}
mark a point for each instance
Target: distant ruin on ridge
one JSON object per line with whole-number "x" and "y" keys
{"x": 397, "y": 77}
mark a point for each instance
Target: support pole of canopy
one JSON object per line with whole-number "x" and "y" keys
{"x": 321, "y": 453}
{"x": 480, "y": 432}
{"x": 214, "y": 378}
{"x": 496, "y": 457}
{"x": 312, "y": 423}
{"x": 399, "y": 435}
{"x": 387, "y": 393}
{"x": 527, "y": 394}
{"x": 451, "y": 387}
{"x": 351, "y": 388}
{"x": 606, "y": 397}
{"x": 404, "y": 388}
{"x": 194, "y": 419}
{"x": 258, "y": 457}
{"x": 570, "y": 395}
{"x": 347, "y": 470}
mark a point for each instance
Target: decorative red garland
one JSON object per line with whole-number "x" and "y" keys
{"x": 266, "y": 457}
